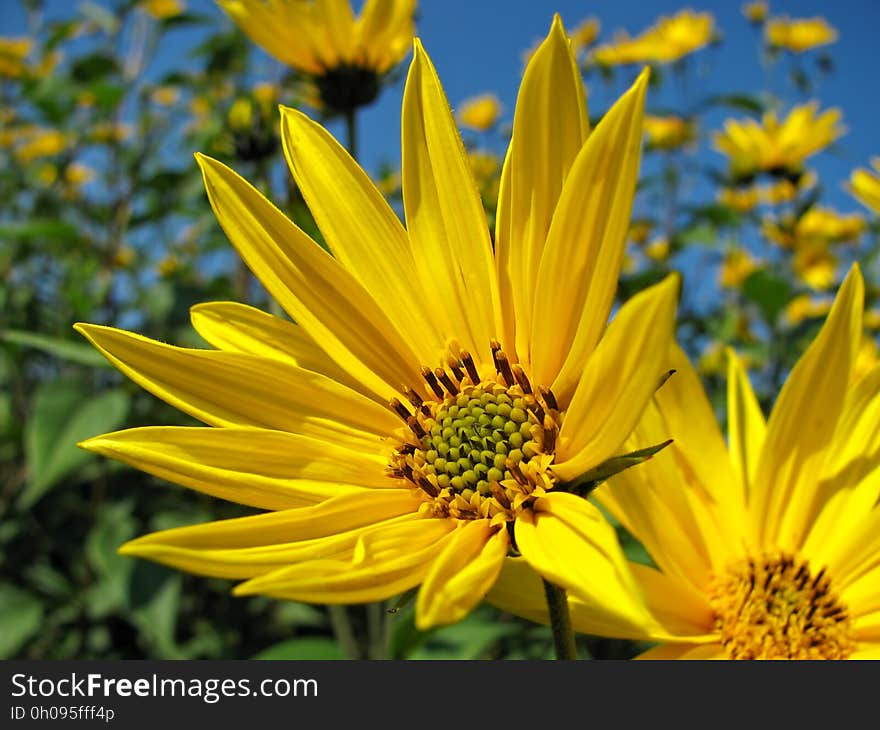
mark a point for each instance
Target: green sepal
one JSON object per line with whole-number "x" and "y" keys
{"x": 588, "y": 481}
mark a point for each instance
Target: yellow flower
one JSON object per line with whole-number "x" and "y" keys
{"x": 13, "y": 52}
{"x": 737, "y": 266}
{"x": 434, "y": 400}
{"x": 77, "y": 174}
{"x": 640, "y": 229}
{"x": 783, "y": 191}
{"x": 741, "y": 199}
{"x": 584, "y": 34}
{"x": 767, "y": 546}
{"x": 867, "y": 358}
{"x": 872, "y": 319}
{"x": 864, "y": 185}
{"x": 110, "y": 132}
{"x": 657, "y": 249}
{"x": 818, "y": 226}
{"x": 815, "y": 265}
{"x": 668, "y": 132}
{"x": 40, "y": 143}
{"x": 804, "y": 307}
{"x": 486, "y": 167}
{"x": 162, "y": 9}
{"x": 671, "y": 39}
{"x": 479, "y": 112}
{"x": 755, "y": 12}
{"x": 165, "y": 95}
{"x": 344, "y": 55}
{"x": 798, "y": 35}
{"x": 777, "y": 147}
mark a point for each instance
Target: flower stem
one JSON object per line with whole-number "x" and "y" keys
{"x": 560, "y": 621}
{"x": 344, "y": 632}
{"x": 351, "y": 131}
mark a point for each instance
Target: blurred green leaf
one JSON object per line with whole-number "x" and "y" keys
{"x": 114, "y": 525}
{"x": 739, "y": 102}
{"x": 39, "y": 229}
{"x": 20, "y": 618}
{"x": 316, "y": 647}
{"x": 94, "y": 67}
{"x": 77, "y": 352}
{"x": 64, "y": 415}
{"x": 769, "y": 292}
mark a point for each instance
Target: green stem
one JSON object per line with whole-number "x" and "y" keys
{"x": 560, "y": 621}
{"x": 351, "y": 132}
{"x": 376, "y": 635}
{"x": 344, "y": 632}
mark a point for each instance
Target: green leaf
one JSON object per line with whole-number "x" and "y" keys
{"x": 39, "y": 228}
{"x": 21, "y": 616}
{"x": 311, "y": 647}
{"x": 77, "y": 352}
{"x": 769, "y": 292}
{"x": 64, "y": 415}
{"x": 115, "y": 524}
{"x": 94, "y": 67}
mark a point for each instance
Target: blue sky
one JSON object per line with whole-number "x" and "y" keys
{"x": 478, "y": 46}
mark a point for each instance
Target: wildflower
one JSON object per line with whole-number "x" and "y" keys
{"x": 163, "y": 9}
{"x": 479, "y": 112}
{"x": 864, "y": 185}
{"x": 13, "y": 52}
{"x": 766, "y": 548}
{"x": 798, "y": 35}
{"x": 803, "y": 307}
{"x": 778, "y": 148}
{"x": 344, "y": 57}
{"x": 668, "y": 132}
{"x": 755, "y": 12}
{"x": 434, "y": 405}
{"x": 584, "y": 35}
{"x": 737, "y": 266}
{"x": 671, "y": 39}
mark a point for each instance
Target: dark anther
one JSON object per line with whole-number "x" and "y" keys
{"x": 549, "y": 436}
{"x": 432, "y": 381}
{"x": 468, "y": 361}
{"x": 535, "y": 407}
{"x": 399, "y": 409}
{"x": 818, "y": 578}
{"x": 522, "y": 379}
{"x": 500, "y": 495}
{"x": 455, "y": 368}
{"x": 663, "y": 378}
{"x": 413, "y": 397}
{"x": 416, "y": 427}
{"x": 428, "y": 487}
{"x": 444, "y": 378}
{"x": 503, "y": 366}
{"x": 549, "y": 398}
{"x": 408, "y": 448}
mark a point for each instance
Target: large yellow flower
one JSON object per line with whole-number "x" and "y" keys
{"x": 433, "y": 403}
{"x": 799, "y": 34}
{"x": 671, "y": 39}
{"x": 777, "y": 147}
{"x": 345, "y": 56}
{"x": 767, "y": 546}
{"x": 864, "y": 185}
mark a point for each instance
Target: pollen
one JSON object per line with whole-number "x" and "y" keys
{"x": 481, "y": 447}
{"x": 774, "y": 607}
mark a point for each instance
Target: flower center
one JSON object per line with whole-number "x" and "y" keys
{"x": 482, "y": 448}
{"x": 773, "y": 608}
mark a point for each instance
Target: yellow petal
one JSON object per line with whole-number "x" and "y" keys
{"x": 549, "y": 128}
{"x": 385, "y": 31}
{"x": 803, "y": 421}
{"x": 568, "y": 542}
{"x": 251, "y": 546}
{"x": 462, "y": 574}
{"x": 618, "y": 380}
{"x": 315, "y": 289}
{"x": 360, "y": 228}
{"x": 393, "y": 560}
{"x": 684, "y": 612}
{"x": 581, "y": 261}
{"x": 233, "y": 389}
{"x": 240, "y": 328}
{"x": 336, "y": 17}
{"x": 446, "y": 221}
{"x": 256, "y": 467}
{"x": 746, "y": 428}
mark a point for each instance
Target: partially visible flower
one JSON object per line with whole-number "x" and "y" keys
{"x": 743, "y": 199}
{"x": 486, "y": 167}
{"x": 105, "y": 132}
{"x": 779, "y": 148}
{"x": 78, "y": 174}
{"x": 165, "y": 95}
{"x": 815, "y": 265}
{"x": 805, "y": 306}
{"x": 252, "y": 120}
{"x": 816, "y": 226}
{"x": 408, "y": 429}
{"x": 162, "y": 9}
{"x": 584, "y": 35}
{"x": 479, "y": 112}
{"x": 669, "y": 40}
{"x": 13, "y": 52}
{"x": 657, "y": 249}
{"x": 798, "y": 35}
{"x": 640, "y": 229}
{"x": 345, "y": 57}
{"x": 169, "y": 266}
{"x": 765, "y": 543}
{"x": 784, "y": 190}
{"x": 864, "y": 185}
{"x": 872, "y": 319}
{"x": 668, "y": 132}
{"x": 736, "y": 267}
{"x": 867, "y": 359}
{"x": 755, "y": 12}
{"x": 41, "y": 142}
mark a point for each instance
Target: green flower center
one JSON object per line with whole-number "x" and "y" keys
{"x": 483, "y": 446}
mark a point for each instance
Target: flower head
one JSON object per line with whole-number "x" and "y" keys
{"x": 798, "y": 35}
{"x": 345, "y": 57}
{"x": 479, "y": 112}
{"x": 436, "y": 406}
{"x": 671, "y": 39}
{"x": 668, "y": 132}
{"x": 766, "y": 546}
{"x": 775, "y": 147}
{"x": 755, "y": 12}
{"x": 864, "y": 185}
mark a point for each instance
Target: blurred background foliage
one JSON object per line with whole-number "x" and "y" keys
{"x": 104, "y": 220}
